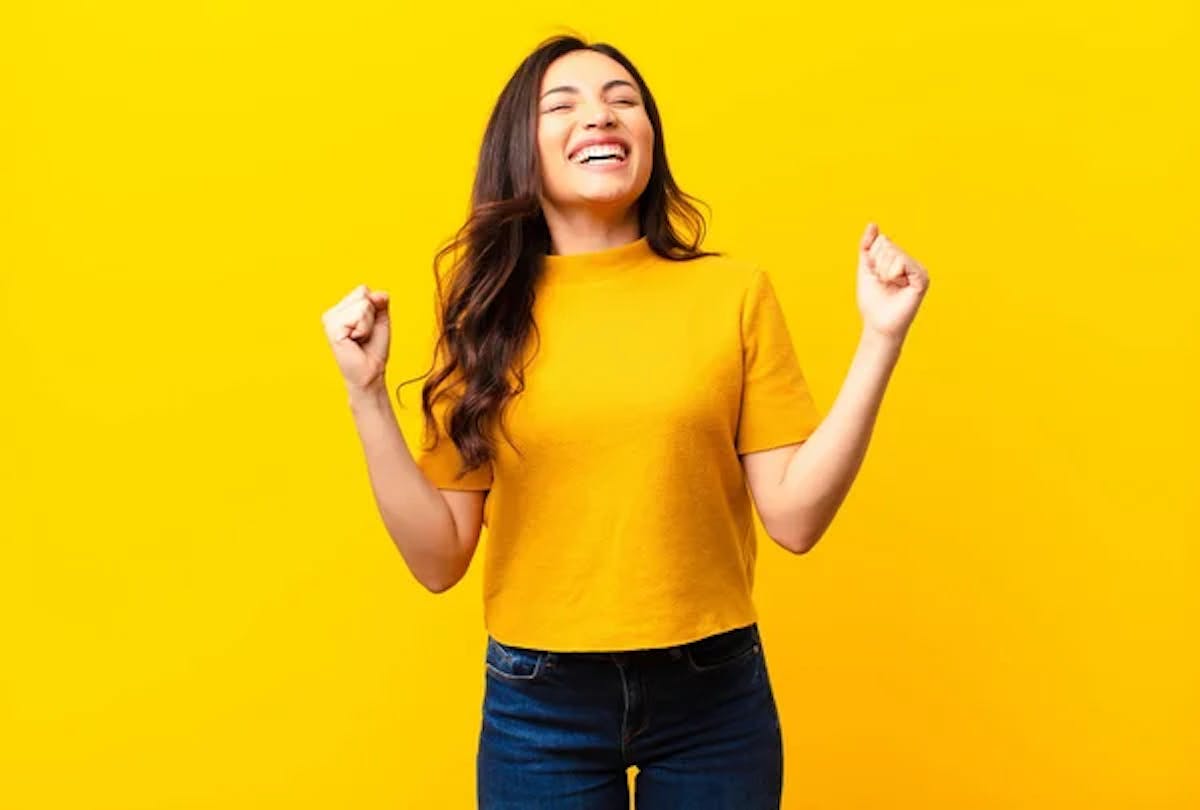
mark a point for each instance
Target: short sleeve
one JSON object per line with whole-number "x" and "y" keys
{"x": 777, "y": 406}
{"x": 442, "y": 463}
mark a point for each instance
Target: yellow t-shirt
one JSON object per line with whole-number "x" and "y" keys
{"x": 626, "y": 523}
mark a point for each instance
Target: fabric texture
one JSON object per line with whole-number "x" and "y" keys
{"x": 700, "y": 722}
{"x": 621, "y": 520}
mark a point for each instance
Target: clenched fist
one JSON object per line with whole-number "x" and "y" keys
{"x": 358, "y": 328}
{"x": 891, "y": 284}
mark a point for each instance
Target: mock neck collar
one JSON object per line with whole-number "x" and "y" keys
{"x": 596, "y": 264}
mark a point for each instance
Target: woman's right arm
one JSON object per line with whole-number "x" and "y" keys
{"x": 435, "y": 530}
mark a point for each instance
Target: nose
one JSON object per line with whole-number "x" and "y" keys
{"x": 601, "y": 116}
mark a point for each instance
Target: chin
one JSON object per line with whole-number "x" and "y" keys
{"x": 608, "y": 193}
{"x": 607, "y": 199}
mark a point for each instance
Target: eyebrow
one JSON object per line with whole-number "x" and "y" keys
{"x": 567, "y": 88}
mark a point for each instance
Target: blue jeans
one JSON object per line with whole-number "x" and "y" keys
{"x": 698, "y": 720}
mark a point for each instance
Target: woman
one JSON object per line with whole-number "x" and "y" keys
{"x": 649, "y": 390}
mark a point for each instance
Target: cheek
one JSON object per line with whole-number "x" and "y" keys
{"x": 551, "y": 145}
{"x": 543, "y": 145}
{"x": 646, "y": 142}
{"x": 551, "y": 168}
{"x": 644, "y": 133}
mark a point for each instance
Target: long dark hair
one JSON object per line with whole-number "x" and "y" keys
{"x": 485, "y": 312}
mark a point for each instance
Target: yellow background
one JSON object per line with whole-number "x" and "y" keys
{"x": 200, "y": 606}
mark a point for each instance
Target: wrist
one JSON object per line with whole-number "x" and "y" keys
{"x": 880, "y": 341}
{"x": 373, "y": 393}
{"x": 879, "y": 351}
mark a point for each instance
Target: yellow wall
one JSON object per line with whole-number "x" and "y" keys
{"x": 200, "y": 606}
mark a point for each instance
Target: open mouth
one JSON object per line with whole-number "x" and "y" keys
{"x": 604, "y": 154}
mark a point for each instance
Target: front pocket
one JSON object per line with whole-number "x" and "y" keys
{"x": 721, "y": 650}
{"x": 513, "y": 663}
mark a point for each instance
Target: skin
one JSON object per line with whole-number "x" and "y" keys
{"x": 585, "y": 94}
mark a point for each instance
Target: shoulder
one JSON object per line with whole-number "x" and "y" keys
{"x": 730, "y": 275}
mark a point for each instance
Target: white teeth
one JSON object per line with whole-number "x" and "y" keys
{"x": 599, "y": 150}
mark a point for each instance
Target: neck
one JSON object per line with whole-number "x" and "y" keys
{"x": 587, "y": 230}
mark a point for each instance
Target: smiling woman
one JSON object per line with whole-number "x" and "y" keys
{"x": 629, "y": 372}
{"x": 621, "y": 542}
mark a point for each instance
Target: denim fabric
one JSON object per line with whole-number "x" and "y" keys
{"x": 699, "y": 721}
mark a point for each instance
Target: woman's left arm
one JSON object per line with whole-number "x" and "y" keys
{"x": 798, "y": 489}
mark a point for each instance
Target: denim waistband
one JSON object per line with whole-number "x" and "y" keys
{"x": 674, "y": 651}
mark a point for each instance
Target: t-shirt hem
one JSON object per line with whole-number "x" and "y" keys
{"x": 771, "y": 442}
{"x": 625, "y": 644}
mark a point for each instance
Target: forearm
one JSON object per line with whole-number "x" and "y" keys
{"x": 416, "y": 516}
{"x": 819, "y": 474}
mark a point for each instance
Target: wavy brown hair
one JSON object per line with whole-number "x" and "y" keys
{"x": 485, "y": 305}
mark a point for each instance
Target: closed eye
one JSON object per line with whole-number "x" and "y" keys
{"x": 629, "y": 101}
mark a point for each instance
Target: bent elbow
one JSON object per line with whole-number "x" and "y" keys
{"x": 804, "y": 546}
{"x": 441, "y": 585}
{"x": 803, "y": 535}
{"x": 798, "y": 543}
{"x": 438, "y": 587}
{"x": 787, "y": 543}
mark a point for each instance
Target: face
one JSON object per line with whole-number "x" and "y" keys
{"x": 587, "y": 96}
